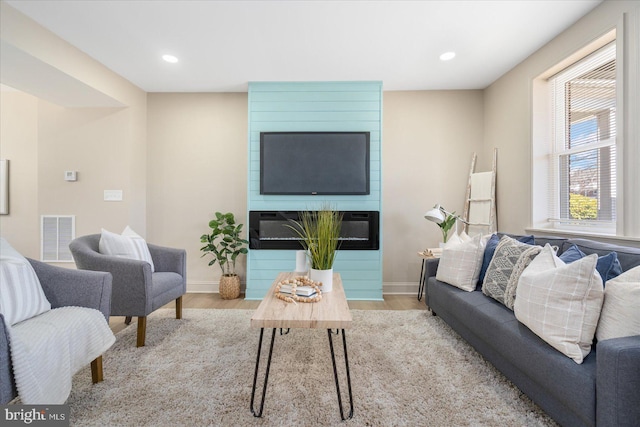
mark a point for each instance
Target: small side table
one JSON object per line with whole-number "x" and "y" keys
{"x": 425, "y": 255}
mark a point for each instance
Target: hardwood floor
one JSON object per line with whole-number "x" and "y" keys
{"x": 213, "y": 301}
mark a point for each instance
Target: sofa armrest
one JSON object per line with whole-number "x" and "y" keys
{"x": 618, "y": 381}
{"x": 65, "y": 287}
{"x": 169, "y": 259}
{"x": 431, "y": 267}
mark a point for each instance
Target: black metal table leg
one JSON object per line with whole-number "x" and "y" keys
{"x": 266, "y": 375}
{"x": 421, "y": 282}
{"x": 335, "y": 373}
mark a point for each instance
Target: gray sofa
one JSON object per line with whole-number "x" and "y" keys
{"x": 602, "y": 391}
{"x": 62, "y": 287}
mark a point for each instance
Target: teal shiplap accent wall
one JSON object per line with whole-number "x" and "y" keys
{"x": 316, "y": 107}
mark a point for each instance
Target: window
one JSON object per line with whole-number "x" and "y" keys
{"x": 585, "y": 147}
{"x": 582, "y": 156}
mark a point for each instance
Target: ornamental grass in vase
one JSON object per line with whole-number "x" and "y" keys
{"x": 319, "y": 233}
{"x": 225, "y": 244}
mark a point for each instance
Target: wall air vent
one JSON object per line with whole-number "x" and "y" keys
{"x": 56, "y": 232}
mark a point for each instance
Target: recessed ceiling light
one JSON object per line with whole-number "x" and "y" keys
{"x": 170, "y": 58}
{"x": 447, "y": 56}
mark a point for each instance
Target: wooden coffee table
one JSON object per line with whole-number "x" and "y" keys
{"x": 332, "y": 312}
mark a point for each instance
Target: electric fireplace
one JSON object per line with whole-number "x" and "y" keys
{"x": 360, "y": 230}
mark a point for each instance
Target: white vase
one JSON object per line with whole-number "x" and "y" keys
{"x": 302, "y": 263}
{"x": 323, "y": 276}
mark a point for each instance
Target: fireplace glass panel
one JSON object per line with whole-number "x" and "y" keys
{"x": 269, "y": 230}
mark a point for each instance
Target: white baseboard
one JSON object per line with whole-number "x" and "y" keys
{"x": 204, "y": 287}
{"x": 207, "y": 287}
{"x": 389, "y": 288}
{"x": 400, "y": 288}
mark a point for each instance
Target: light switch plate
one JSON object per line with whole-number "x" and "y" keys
{"x": 112, "y": 195}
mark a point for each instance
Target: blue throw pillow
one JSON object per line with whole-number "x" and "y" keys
{"x": 608, "y": 265}
{"x": 490, "y": 249}
{"x": 571, "y": 254}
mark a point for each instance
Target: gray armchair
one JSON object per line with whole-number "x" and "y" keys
{"x": 136, "y": 291}
{"x": 63, "y": 287}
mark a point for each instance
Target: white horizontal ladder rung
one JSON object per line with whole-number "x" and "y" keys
{"x": 479, "y": 200}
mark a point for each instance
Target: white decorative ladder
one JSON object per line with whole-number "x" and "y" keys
{"x": 480, "y": 201}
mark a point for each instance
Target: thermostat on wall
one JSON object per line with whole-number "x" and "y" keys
{"x": 70, "y": 175}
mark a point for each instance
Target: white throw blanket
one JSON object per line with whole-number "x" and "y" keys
{"x": 48, "y": 349}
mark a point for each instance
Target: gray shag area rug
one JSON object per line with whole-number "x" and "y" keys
{"x": 408, "y": 368}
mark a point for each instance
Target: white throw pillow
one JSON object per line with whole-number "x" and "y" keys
{"x": 560, "y": 302}
{"x": 453, "y": 240}
{"x": 620, "y": 315}
{"x": 460, "y": 263}
{"x": 128, "y": 245}
{"x": 21, "y": 295}
{"x": 456, "y": 239}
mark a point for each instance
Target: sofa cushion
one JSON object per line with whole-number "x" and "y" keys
{"x": 127, "y": 245}
{"x": 560, "y": 302}
{"x": 22, "y": 294}
{"x": 460, "y": 264}
{"x": 620, "y": 315}
{"x": 555, "y": 242}
{"x": 608, "y": 265}
{"x": 510, "y": 259}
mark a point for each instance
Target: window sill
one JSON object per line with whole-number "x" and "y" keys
{"x": 621, "y": 240}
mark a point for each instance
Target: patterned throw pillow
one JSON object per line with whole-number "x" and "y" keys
{"x": 507, "y": 264}
{"x": 21, "y": 295}
{"x": 128, "y": 245}
{"x": 491, "y": 249}
{"x": 560, "y": 302}
{"x": 460, "y": 264}
{"x": 620, "y": 315}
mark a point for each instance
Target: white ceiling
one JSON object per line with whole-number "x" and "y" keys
{"x": 222, "y": 45}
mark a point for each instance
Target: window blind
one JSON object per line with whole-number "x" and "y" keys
{"x": 583, "y": 185}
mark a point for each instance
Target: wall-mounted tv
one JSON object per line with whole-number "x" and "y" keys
{"x": 323, "y": 163}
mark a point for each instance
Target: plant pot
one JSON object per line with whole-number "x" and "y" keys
{"x": 323, "y": 276}
{"x": 230, "y": 287}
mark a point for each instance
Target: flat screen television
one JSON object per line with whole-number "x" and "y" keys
{"x": 322, "y": 163}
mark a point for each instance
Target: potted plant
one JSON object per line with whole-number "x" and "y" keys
{"x": 446, "y": 225}
{"x": 225, "y": 244}
{"x": 319, "y": 233}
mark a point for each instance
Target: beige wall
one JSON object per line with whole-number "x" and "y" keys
{"x": 508, "y": 111}
{"x": 428, "y": 141}
{"x": 107, "y": 146}
{"x": 42, "y": 141}
{"x": 19, "y": 144}
{"x": 197, "y": 165}
{"x": 94, "y": 142}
